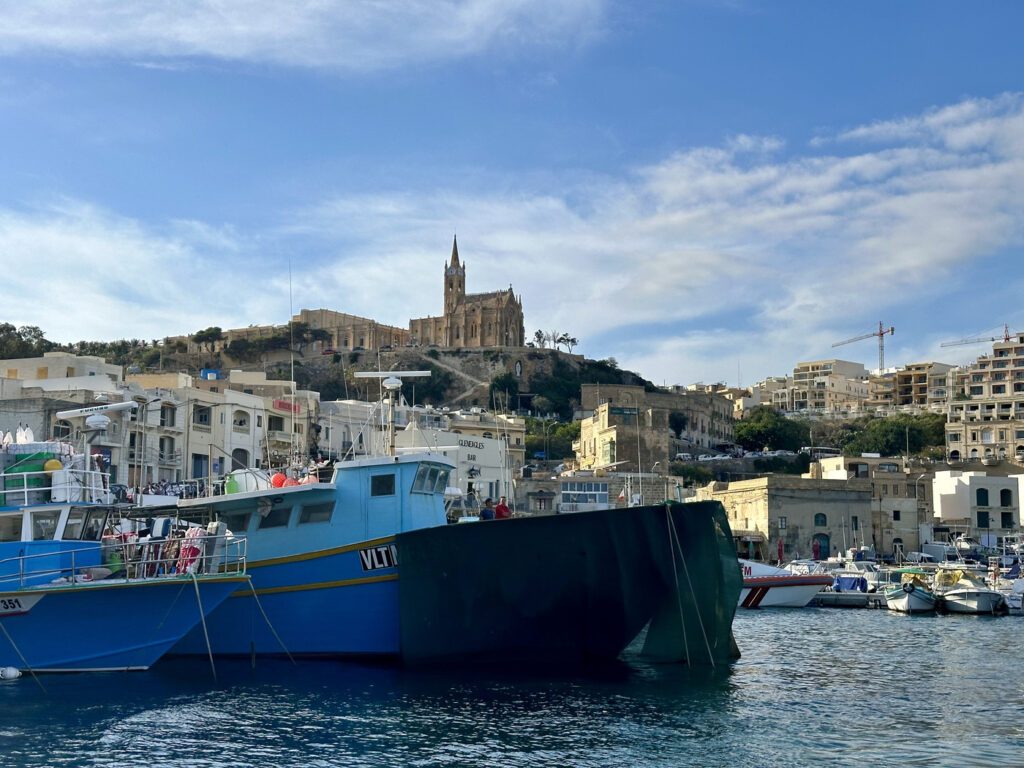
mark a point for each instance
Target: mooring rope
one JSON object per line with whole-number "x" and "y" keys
{"x": 269, "y": 625}
{"x": 23, "y": 659}
{"x": 675, "y": 581}
{"x": 202, "y": 619}
{"x": 693, "y": 594}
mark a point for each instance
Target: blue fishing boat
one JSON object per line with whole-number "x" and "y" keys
{"x": 365, "y": 563}
{"x": 89, "y": 585}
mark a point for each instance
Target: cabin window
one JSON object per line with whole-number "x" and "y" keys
{"x": 820, "y": 520}
{"x": 276, "y": 518}
{"x": 1005, "y": 498}
{"x": 10, "y": 527}
{"x": 442, "y": 481}
{"x": 382, "y": 485}
{"x": 44, "y": 524}
{"x": 94, "y": 523}
{"x": 316, "y": 513}
{"x": 982, "y": 497}
{"x": 420, "y": 483}
{"x": 73, "y": 527}
{"x": 237, "y": 522}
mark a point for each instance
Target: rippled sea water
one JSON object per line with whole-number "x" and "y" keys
{"x": 815, "y": 687}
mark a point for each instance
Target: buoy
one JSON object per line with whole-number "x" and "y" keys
{"x": 9, "y": 673}
{"x": 289, "y": 482}
{"x": 277, "y": 479}
{"x": 52, "y": 465}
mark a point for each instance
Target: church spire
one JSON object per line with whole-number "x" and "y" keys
{"x": 455, "y": 251}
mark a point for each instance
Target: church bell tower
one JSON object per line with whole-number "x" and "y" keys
{"x": 454, "y": 281}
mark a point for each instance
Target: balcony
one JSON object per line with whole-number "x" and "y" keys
{"x": 170, "y": 458}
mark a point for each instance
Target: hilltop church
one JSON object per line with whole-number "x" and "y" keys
{"x": 492, "y": 319}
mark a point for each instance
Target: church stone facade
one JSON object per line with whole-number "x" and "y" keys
{"x": 492, "y": 319}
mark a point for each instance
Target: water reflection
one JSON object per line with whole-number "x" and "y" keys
{"x": 813, "y": 687}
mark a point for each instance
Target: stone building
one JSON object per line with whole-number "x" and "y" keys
{"x": 625, "y": 426}
{"x": 900, "y": 497}
{"x": 812, "y": 518}
{"x": 492, "y": 319}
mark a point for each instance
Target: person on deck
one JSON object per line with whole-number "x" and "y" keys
{"x": 487, "y": 513}
{"x": 502, "y": 512}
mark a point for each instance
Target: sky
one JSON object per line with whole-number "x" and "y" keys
{"x": 704, "y": 190}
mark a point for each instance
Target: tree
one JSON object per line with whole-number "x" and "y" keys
{"x": 691, "y": 473}
{"x": 540, "y": 339}
{"x": 764, "y": 427}
{"x": 504, "y": 387}
{"x": 208, "y": 336}
{"x": 897, "y": 435}
{"x": 24, "y": 341}
{"x": 677, "y": 423}
{"x": 542, "y": 405}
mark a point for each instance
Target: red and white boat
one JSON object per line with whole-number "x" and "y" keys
{"x": 765, "y": 586}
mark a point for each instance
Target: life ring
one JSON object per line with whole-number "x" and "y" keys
{"x": 908, "y": 587}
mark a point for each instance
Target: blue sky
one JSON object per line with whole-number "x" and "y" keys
{"x": 703, "y": 190}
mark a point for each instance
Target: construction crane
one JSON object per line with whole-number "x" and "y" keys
{"x": 880, "y": 333}
{"x": 958, "y": 342}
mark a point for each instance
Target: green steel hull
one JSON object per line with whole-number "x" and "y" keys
{"x": 574, "y": 588}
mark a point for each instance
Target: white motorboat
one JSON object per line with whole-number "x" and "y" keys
{"x": 765, "y": 586}
{"x": 964, "y": 592}
{"x": 913, "y": 595}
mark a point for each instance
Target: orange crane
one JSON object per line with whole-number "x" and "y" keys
{"x": 1004, "y": 337}
{"x": 880, "y": 333}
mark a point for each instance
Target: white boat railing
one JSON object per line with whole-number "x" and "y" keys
{"x": 42, "y": 486}
{"x": 126, "y": 559}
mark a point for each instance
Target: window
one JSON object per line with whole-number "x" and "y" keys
{"x": 237, "y": 522}
{"x": 1005, "y": 498}
{"x": 954, "y": 437}
{"x": 259, "y": 421}
{"x": 895, "y": 515}
{"x": 201, "y": 415}
{"x": 1006, "y": 519}
{"x": 276, "y": 518}
{"x": 382, "y": 485}
{"x": 275, "y": 423}
{"x": 982, "y": 518}
{"x": 782, "y": 523}
{"x": 316, "y": 513}
{"x": 981, "y": 497}
{"x": 44, "y": 524}
{"x": 885, "y": 489}
{"x": 854, "y": 522}
{"x": 820, "y": 521}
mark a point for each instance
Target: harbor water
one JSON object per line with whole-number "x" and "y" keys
{"x": 814, "y": 687}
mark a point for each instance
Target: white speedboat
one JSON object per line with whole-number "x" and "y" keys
{"x": 765, "y": 586}
{"x": 913, "y": 595}
{"x": 964, "y": 592}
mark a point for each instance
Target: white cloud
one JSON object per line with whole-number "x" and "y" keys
{"x": 355, "y": 36}
{"x": 716, "y": 255}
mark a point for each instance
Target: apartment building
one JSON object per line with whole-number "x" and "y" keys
{"x": 986, "y": 414}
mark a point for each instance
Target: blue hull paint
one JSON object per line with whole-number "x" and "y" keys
{"x": 321, "y": 597}
{"x": 105, "y": 626}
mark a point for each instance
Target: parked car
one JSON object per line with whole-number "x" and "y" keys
{"x": 684, "y": 457}
{"x": 705, "y": 457}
